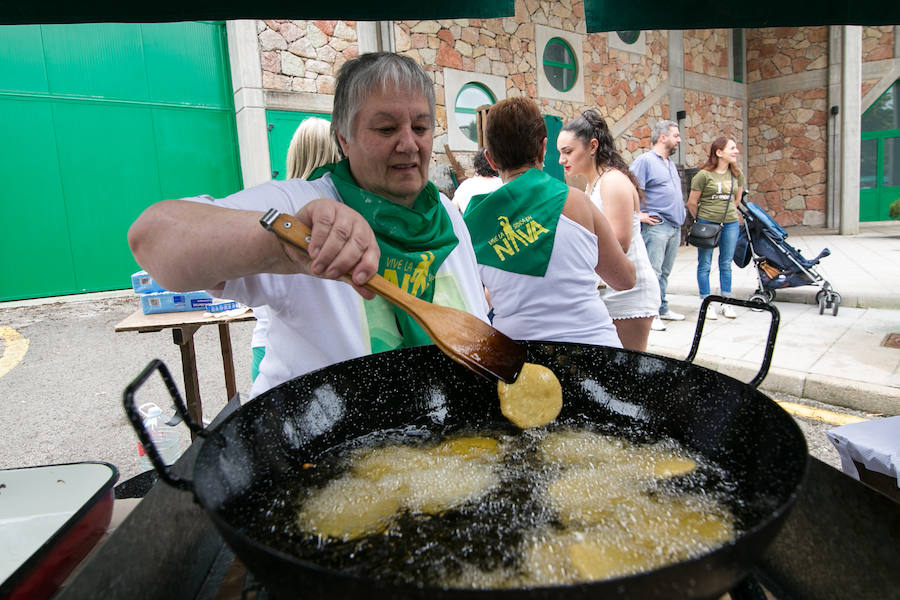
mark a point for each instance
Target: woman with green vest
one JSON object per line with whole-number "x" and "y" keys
{"x": 539, "y": 242}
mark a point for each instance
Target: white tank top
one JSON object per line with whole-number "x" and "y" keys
{"x": 563, "y": 305}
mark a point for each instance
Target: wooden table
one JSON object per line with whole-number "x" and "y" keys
{"x": 183, "y": 326}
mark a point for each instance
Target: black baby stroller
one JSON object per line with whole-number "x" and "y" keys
{"x": 778, "y": 264}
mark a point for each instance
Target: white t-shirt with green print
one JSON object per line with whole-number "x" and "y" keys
{"x": 315, "y": 322}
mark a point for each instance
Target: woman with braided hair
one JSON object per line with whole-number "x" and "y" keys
{"x": 586, "y": 148}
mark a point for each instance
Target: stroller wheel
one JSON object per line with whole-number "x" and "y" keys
{"x": 762, "y": 298}
{"x": 836, "y": 303}
{"x": 770, "y": 295}
{"x": 821, "y": 297}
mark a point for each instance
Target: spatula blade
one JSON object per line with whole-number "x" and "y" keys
{"x": 474, "y": 344}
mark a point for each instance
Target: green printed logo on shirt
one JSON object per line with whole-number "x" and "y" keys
{"x": 513, "y": 228}
{"x": 413, "y": 241}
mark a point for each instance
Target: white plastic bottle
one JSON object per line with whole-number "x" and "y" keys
{"x": 164, "y": 437}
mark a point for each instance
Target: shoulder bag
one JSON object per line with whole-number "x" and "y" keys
{"x": 706, "y": 235}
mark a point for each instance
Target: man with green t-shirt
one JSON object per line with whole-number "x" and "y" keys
{"x": 374, "y": 211}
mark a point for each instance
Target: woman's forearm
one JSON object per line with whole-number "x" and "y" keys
{"x": 188, "y": 245}
{"x": 613, "y": 266}
{"x": 693, "y": 203}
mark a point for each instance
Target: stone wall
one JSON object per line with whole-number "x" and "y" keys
{"x": 787, "y": 156}
{"x": 636, "y": 139}
{"x": 777, "y": 51}
{"x": 304, "y": 56}
{"x": 786, "y": 130}
{"x": 616, "y": 80}
{"x": 787, "y": 136}
{"x": 708, "y": 117}
{"x": 706, "y": 51}
{"x": 877, "y": 43}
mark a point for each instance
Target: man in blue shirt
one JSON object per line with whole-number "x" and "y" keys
{"x": 662, "y": 209}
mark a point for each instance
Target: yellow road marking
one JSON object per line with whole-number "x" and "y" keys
{"x": 16, "y": 347}
{"x": 818, "y": 414}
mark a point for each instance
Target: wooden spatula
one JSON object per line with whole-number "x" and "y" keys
{"x": 463, "y": 337}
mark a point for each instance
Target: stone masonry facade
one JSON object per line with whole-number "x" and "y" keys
{"x": 787, "y": 134}
{"x": 709, "y": 115}
{"x": 783, "y": 135}
{"x": 304, "y": 56}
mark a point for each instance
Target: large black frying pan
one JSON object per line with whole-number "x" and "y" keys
{"x": 244, "y": 463}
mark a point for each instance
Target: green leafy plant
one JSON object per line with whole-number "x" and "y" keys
{"x": 894, "y": 210}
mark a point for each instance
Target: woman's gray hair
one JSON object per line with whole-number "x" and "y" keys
{"x": 661, "y": 128}
{"x": 373, "y": 73}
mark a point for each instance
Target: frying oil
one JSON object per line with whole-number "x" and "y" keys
{"x": 490, "y": 510}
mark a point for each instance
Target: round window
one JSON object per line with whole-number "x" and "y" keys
{"x": 629, "y": 36}
{"x": 560, "y": 65}
{"x": 470, "y": 97}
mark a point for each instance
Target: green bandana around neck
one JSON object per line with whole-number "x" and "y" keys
{"x": 513, "y": 228}
{"x": 414, "y": 241}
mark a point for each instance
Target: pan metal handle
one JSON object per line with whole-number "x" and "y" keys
{"x": 137, "y": 421}
{"x": 770, "y": 342}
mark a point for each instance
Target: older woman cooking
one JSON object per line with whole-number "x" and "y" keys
{"x": 373, "y": 212}
{"x": 539, "y": 242}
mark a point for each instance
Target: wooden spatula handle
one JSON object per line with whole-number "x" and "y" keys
{"x": 292, "y": 231}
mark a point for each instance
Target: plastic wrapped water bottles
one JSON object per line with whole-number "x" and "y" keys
{"x": 165, "y": 437}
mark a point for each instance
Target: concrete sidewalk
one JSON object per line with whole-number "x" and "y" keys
{"x": 863, "y": 268}
{"x": 835, "y": 359}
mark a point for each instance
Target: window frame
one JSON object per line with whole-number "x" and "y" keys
{"x": 638, "y": 46}
{"x": 542, "y": 37}
{"x": 456, "y": 109}
{"x": 454, "y": 81}
{"x": 545, "y": 62}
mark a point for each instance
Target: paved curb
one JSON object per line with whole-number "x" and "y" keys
{"x": 856, "y": 395}
{"x": 801, "y": 295}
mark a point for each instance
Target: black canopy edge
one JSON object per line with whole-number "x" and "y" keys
{"x": 29, "y": 12}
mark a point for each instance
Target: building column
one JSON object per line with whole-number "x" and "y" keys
{"x": 676, "y": 82}
{"x": 833, "y": 130}
{"x": 249, "y": 103}
{"x": 375, "y": 36}
{"x": 850, "y": 114}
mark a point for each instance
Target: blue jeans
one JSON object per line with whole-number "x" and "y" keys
{"x": 727, "y": 242}
{"x": 662, "y": 241}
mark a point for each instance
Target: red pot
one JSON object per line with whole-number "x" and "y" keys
{"x": 50, "y": 518}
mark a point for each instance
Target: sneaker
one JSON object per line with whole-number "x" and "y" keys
{"x": 711, "y": 313}
{"x": 728, "y": 312}
{"x": 671, "y": 316}
{"x": 657, "y": 325}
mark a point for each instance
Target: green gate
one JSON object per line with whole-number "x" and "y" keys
{"x": 879, "y": 168}
{"x": 551, "y": 159}
{"x": 281, "y": 125}
{"x": 99, "y": 121}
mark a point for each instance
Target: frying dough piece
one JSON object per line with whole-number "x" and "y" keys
{"x": 469, "y": 447}
{"x": 670, "y": 466}
{"x": 587, "y": 496}
{"x": 350, "y": 507}
{"x": 595, "y": 561}
{"x": 582, "y": 447}
{"x": 534, "y": 399}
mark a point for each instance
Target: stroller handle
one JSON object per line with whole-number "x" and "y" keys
{"x": 770, "y": 342}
